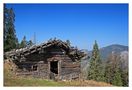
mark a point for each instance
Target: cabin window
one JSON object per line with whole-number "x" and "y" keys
{"x": 54, "y": 67}
{"x": 34, "y": 68}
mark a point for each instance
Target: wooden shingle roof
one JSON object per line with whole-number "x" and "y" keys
{"x": 29, "y": 50}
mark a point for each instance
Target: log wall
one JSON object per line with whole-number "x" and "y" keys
{"x": 38, "y": 65}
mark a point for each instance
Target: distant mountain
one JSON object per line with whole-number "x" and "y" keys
{"x": 116, "y": 48}
{"x": 104, "y": 52}
{"x": 124, "y": 59}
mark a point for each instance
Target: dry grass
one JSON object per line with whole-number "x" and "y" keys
{"x": 13, "y": 80}
{"x": 90, "y": 83}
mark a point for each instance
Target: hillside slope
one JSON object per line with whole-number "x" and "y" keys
{"x": 13, "y": 80}
{"x": 105, "y": 52}
{"x": 116, "y": 48}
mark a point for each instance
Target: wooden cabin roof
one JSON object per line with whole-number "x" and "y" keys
{"x": 72, "y": 51}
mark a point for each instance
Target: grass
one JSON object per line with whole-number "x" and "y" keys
{"x": 13, "y": 80}
{"x": 30, "y": 82}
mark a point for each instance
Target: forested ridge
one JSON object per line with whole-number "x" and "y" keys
{"x": 113, "y": 69}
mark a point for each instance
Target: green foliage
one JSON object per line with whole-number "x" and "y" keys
{"x": 29, "y": 43}
{"x": 117, "y": 78}
{"x": 95, "y": 71}
{"x": 10, "y": 39}
{"x": 124, "y": 76}
{"x": 113, "y": 71}
{"x": 24, "y": 43}
{"x": 12, "y": 80}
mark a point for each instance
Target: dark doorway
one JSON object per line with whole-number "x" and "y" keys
{"x": 35, "y": 68}
{"x": 54, "y": 67}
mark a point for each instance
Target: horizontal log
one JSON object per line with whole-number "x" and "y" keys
{"x": 70, "y": 65}
{"x": 70, "y": 72}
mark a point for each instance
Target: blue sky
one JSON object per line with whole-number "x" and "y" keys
{"x": 82, "y": 24}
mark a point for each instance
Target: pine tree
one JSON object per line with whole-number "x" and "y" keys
{"x": 95, "y": 70}
{"x": 23, "y": 43}
{"x": 124, "y": 69}
{"x": 124, "y": 76}
{"x": 117, "y": 80}
{"x": 5, "y": 22}
{"x": 109, "y": 69}
{"x": 10, "y": 39}
{"x": 29, "y": 43}
{"x": 112, "y": 70}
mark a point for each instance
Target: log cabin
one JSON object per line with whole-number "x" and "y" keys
{"x": 54, "y": 59}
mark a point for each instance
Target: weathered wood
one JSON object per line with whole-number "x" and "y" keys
{"x": 54, "y": 58}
